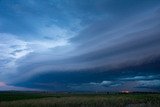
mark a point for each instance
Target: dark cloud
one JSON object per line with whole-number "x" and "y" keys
{"x": 96, "y": 79}
{"x": 80, "y": 45}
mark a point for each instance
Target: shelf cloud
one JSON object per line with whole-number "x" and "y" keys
{"x": 73, "y": 44}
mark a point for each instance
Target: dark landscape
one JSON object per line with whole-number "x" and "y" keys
{"x": 45, "y": 99}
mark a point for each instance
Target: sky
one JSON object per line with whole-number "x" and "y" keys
{"x": 80, "y": 45}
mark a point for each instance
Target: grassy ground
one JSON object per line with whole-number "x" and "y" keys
{"x": 78, "y": 100}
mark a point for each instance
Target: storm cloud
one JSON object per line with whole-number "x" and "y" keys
{"x": 80, "y": 45}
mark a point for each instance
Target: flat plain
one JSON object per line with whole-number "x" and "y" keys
{"x": 41, "y": 99}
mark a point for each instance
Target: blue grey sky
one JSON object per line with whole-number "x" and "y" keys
{"x": 80, "y": 45}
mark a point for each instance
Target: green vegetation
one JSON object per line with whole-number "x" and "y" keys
{"x": 19, "y": 99}
{"x": 12, "y": 95}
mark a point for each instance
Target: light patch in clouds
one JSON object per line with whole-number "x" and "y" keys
{"x": 149, "y": 83}
{"x": 50, "y": 37}
{"x": 2, "y": 84}
{"x": 39, "y": 45}
{"x": 56, "y": 32}
{"x": 12, "y": 47}
{"x": 103, "y": 83}
{"x": 140, "y": 77}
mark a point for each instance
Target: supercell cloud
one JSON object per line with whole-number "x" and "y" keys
{"x": 87, "y": 45}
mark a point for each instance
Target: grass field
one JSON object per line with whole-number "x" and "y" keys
{"x": 30, "y": 99}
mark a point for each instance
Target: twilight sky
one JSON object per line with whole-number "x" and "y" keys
{"x": 80, "y": 45}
